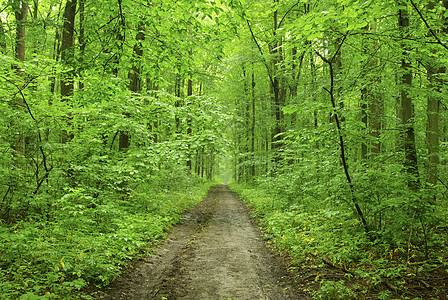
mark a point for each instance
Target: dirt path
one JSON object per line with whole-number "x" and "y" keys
{"x": 215, "y": 253}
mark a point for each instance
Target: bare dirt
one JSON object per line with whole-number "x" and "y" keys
{"x": 216, "y": 252}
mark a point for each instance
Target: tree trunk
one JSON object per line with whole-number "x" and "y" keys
{"x": 376, "y": 110}
{"x": 21, "y": 15}
{"x": 277, "y": 89}
{"x": 67, "y": 48}
{"x": 178, "y": 88}
{"x": 135, "y": 82}
{"x": 190, "y": 93}
{"x": 120, "y": 39}
{"x": 3, "y": 44}
{"x": 364, "y": 120}
{"x": 82, "y": 42}
{"x": 410, "y": 162}
{"x": 189, "y": 123}
{"x": 338, "y": 77}
{"x": 432, "y": 134}
{"x": 252, "y": 129}
{"x": 434, "y": 70}
{"x": 371, "y": 106}
{"x": 135, "y": 73}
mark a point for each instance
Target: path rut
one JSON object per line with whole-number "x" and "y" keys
{"x": 215, "y": 253}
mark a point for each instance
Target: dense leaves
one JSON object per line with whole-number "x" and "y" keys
{"x": 356, "y": 174}
{"x": 102, "y": 145}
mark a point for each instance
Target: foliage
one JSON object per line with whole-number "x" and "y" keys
{"x": 93, "y": 176}
{"x": 88, "y": 242}
{"x": 306, "y": 232}
{"x": 339, "y": 135}
{"x": 334, "y": 111}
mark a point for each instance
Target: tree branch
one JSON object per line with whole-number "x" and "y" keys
{"x": 341, "y": 139}
{"x": 340, "y": 46}
{"x": 289, "y": 10}
{"x": 271, "y": 79}
{"x": 44, "y": 157}
{"x": 427, "y": 26}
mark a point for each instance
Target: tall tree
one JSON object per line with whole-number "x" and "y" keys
{"x": 435, "y": 70}
{"x": 21, "y": 14}
{"x": 82, "y": 39}
{"x": 135, "y": 80}
{"x": 3, "y": 44}
{"x": 253, "y": 121}
{"x": 371, "y": 105}
{"x": 67, "y": 48}
{"x": 278, "y": 86}
{"x": 407, "y": 107}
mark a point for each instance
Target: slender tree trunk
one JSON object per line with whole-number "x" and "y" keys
{"x": 343, "y": 150}
{"x": 3, "y": 44}
{"x": 245, "y": 110}
{"x": 67, "y": 56}
{"x": 67, "y": 48}
{"x": 178, "y": 88}
{"x": 82, "y": 42}
{"x": 189, "y": 123}
{"x": 134, "y": 77}
{"x": 432, "y": 134}
{"x": 120, "y": 39}
{"x": 313, "y": 88}
{"x": 21, "y": 15}
{"x": 252, "y": 129}
{"x": 336, "y": 117}
{"x": 338, "y": 77}
{"x": 296, "y": 72}
{"x": 277, "y": 88}
{"x": 435, "y": 69}
{"x": 375, "y": 107}
{"x": 376, "y": 110}
{"x": 56, "y": 54}
{"x": 294, "y": 77}
{"x": 364, "y": 101}
{"x": 190, "y": 93}
{"x": 371, "y": 106}
{"x": 410, "y": 162}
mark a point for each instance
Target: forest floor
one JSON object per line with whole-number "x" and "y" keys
{"x": 216, "y": 252}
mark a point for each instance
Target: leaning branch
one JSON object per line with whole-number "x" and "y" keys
{"x": 429, "y": 27}
{"x": 261, "y": 52}
{"x": 44, "y": 156}
{"x": 289, "y": 10}
{"x": 341, "y": 139}
{"x": 340, "y": 46}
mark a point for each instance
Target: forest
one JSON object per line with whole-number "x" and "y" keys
{"x": 328, "y": 118}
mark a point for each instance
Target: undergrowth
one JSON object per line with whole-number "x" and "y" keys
{"x": 89, "y": 240}
{"x": 325, "y": 238}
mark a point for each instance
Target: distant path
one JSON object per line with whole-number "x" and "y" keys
{"x": 215, "y": 253}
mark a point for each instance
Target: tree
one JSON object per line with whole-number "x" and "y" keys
{"x": 21, "y": 14}
{"x": 3, "y": 44}
{"x": 67, "y": 49}
{"x": 81, "y": 39}
{"x": 407, "y": 108}
{"x": 135, "y": 82}
{"x": 435, "y": 70}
